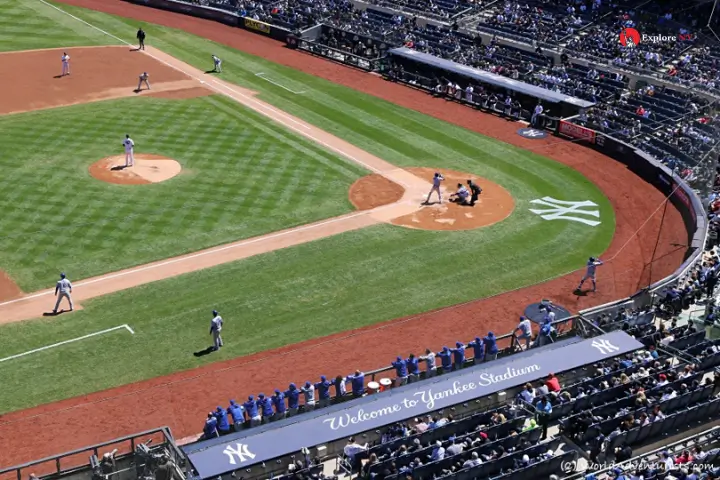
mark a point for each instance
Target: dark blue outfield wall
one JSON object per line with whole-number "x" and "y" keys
{"x": 223, "y": 16}
{"x": 218, "y": 456}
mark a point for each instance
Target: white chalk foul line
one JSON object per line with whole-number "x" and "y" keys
{"x": 47, "y": 347}
{"x": 262, "y": 75}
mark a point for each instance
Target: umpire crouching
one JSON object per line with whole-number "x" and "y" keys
{"x": 141, "y": 39}
{"x": 475, "y": 192}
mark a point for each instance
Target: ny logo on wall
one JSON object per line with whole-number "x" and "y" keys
{"x": 572, "y": 211}
{"x": 239, "y": 454}
{"x": 604, "y": 346}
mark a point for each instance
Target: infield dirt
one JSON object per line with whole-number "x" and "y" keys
{"x": 180, "y": 400}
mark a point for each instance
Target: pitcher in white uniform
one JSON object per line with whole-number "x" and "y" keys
{"x": 65, "y": 64}
{"x": 63, "y": 289}
{"x": 143, "y": 79}
{"x": 435, "y": 188}
{"x": 129, "y": 151}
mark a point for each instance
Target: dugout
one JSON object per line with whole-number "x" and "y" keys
{"x": 426, "y": 71}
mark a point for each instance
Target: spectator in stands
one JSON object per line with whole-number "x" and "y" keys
{"x": 543, "y": 409}
{"x": 401, "y": 371}
{"x": 478, "y": 350}
{"x": 265, "y": 406}
{"x": 253, "y": 413}
{"x": 552, "y": 383}
{"x": 210, "y": 428}
{"x": 421, "y": 426}
{"x": 455, "y": 447}
{"x": 357, "y": 381}
{"x": 355, "y": 452}
{"x": 430, "y": 367}
{"x": 497, "y": 418}
{"x": 223, "y": 425}
{"x": 458, "y": 355}
{"x": 528, "y": 393}
{"x": 340, "y": 389}
{"x": 445, "y": 359}
{"x": 491, "y": 348}
{"x": 323, "y": 390}
{"x": 237, "y": 413}
{"x": 413, "y": 368}
{"x": 308, "y": 391}
{"x": 278, "y": 401}
{"x": 473, "y": 461}
{"x": 525, "y": 328}
{"x": 438, "y": 453}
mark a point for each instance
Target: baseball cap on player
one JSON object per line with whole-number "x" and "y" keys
{"x": 62, "y": 275}
{"x": 592, "y": 259}
{"x": 277, "y": 390}
{"x": 215, "y": 313}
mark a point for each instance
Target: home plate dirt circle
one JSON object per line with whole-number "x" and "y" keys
{"x": 147, "y": 169}
{"x": 494, "y": 205}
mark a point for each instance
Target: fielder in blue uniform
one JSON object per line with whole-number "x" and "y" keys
{"x": 592, "y": 265}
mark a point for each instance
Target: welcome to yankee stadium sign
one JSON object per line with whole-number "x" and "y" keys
{"x": 221, "y": 455}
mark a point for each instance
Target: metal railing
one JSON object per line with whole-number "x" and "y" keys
{"x": 79, "y": 459}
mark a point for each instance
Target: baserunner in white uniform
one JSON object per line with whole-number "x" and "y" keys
{"x": 436, "y": 187}
{"x": 63, "y": 289}
{"x": 129, "y": 151}
{"x": 215, "y": 329}
{"x": 217, "y": 64}
{"x": 592, "y": 265}
{"x": 65, "y": 64}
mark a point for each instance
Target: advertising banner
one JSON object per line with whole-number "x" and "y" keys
{"x": 576, "y": 131}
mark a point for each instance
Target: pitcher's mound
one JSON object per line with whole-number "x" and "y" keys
{"x": 147, "y": 169}
{"x": 494, "y": 204}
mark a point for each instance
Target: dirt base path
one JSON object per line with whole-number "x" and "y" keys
{"x": 181, "y": 400}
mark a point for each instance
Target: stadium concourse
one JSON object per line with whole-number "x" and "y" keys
{"x": 598, "y": 390}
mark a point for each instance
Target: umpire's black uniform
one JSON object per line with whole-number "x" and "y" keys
{"x": 141, "y": 39}
{"x": 475, "y": 191}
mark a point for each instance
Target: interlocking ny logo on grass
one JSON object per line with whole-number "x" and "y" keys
{"x": 631, "y": 37}
{"x": 563, "y": 210}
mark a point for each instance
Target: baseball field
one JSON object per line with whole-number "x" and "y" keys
{"x": 295, "y": 211}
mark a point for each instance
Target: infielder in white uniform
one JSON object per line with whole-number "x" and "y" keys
{"x": 217, "y": 64}
{"x": 592, "y": 265}
{"x": 436, "y": 187}
{"x": 63, "y": 289}
{"x": 129, "y": 151}
{"x": 215, "y": 329}
{"x": 144, "y": 79}
{"x": 65, "y": 64}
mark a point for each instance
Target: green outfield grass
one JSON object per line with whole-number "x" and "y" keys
{"x": 347, "y": 281}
